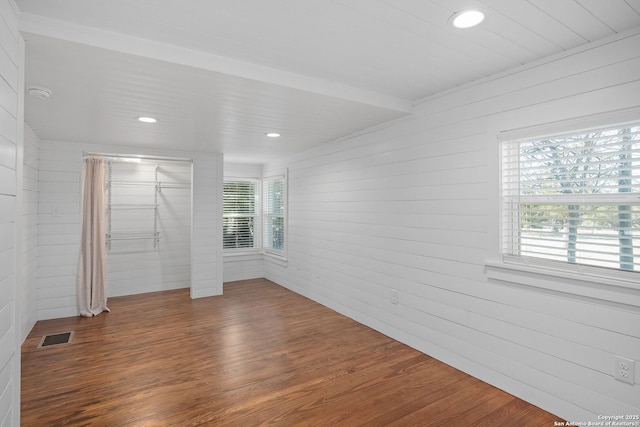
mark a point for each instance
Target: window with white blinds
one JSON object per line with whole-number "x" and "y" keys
{"x": 573, "y": 199}
{"x": 240, "y": 215}
{"x": 273, "y": 214}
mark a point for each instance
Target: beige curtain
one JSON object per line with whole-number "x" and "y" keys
{"x": 92, "y": 267}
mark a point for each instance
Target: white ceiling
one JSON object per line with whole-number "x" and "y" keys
{"x": 218, "y": 74}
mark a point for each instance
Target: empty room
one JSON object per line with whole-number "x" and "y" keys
{"x": 320, "y": 212}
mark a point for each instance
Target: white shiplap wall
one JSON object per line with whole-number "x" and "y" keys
{"x": 29, "y": 236}
{"x": 139, "y": 266}
{"x": 412, "y": 206}
{"x": 59, "y": 206}
{"x": 247, "y": 265}
{"x": 206, "y": 226}
{"x": 59, "y": 223}
{"x": 11, "y": 133}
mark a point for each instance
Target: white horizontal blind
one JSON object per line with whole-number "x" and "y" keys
{"x": 273, "y": 214}
{"x": 240, "y": 213}
{"x": 573, "y": 199}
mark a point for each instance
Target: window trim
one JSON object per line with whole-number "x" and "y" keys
{"x": 578, "y": 124}
{"x": 604, "y": 289}
{"x": 615, "y": 287}
{"x": 257, "y": 246}
{"x": 514, "y": 199}
{"x": 280, "y": 255}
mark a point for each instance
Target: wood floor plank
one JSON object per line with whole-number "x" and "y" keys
{"x": 258, "y": 355}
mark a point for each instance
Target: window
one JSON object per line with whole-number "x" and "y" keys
{"x": 573, "y": 199}
{"x": 273, "y": 214}
{"x": 240, "y": 215}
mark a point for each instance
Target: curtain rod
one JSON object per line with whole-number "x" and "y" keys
{"x": 141, "y": 157}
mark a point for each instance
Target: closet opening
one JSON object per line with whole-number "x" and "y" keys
{"x": 147, "y": 205}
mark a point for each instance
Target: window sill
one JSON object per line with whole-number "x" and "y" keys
{"x": 239, "y": 255}
{"x": 255, "y": 255}
{"x": 607, "y": 289}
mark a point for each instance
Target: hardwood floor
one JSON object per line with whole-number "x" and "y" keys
{"x": 259, "y": 355}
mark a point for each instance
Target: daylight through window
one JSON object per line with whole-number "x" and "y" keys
{"x": 240, "y": 215}
{"x": 273, "y": 214}
{"x": 573, "y": 199}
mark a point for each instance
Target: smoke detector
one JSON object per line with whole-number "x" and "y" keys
{"x": 39, "y": 92}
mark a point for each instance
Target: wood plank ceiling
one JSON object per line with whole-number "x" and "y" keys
{"x": 219, "y": 74}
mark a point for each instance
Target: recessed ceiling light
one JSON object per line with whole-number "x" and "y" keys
{"x": 272, "y": 134}
{"x": 466, "y": 18}
{"x": 147, "y": 119}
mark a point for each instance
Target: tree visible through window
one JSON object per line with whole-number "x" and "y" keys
{"x": 240, "y": 215}
{"x": 273, "y": 214}
{"x": 574, "y": 198}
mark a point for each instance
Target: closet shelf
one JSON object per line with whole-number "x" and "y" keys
{"x": 155, "y": 236}
{"x": 142, "y": 216}
{"x": 174, "y": 185}
{"x": 135, "y": 206}
{"x": 133, "y": 183}
{"x": 134, "y": 238}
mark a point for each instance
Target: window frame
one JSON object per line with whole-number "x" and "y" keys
{"x": 607, "y": 285}
{"x": 267, "y": 250}
{"x": 583, "y": 194}
{"x": 257, "y": 238}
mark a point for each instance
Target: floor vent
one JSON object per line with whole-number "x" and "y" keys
{"x": 56, "y": 339}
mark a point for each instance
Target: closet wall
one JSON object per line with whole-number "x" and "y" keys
{"x": 59, "y": 202}
{"x": 149, "y": 219}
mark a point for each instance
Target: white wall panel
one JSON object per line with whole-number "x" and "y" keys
{"x": 29, "y": 232}
{"x": 8, "y": 68}
{"x": 8, "y": 97}
{"x": 7, "y": 152}
{"x": 409, "y": 205}
{"x": 243, "y": 267}
{"x": 206, "y": 237}
{"x": 11, "y": 147}
{"x": 242, "y": 170}
{"x": 59, "y": 229}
